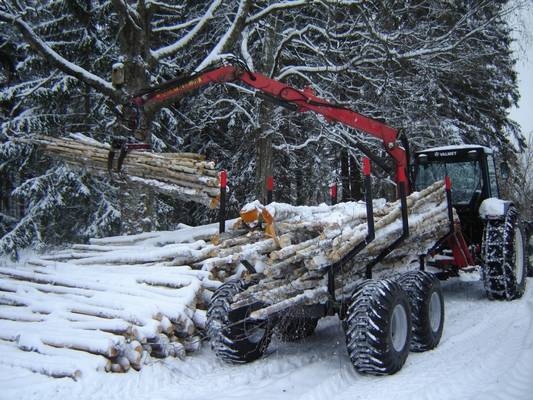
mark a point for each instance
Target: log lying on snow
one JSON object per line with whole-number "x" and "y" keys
{"x": 53, "y": 366}
{"x": 187, "y": 176}
{"x": 105, "y": 317}
{"x": 120, "y": 300}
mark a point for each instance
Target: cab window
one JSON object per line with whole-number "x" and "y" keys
{"x": 465, "y": 177}
{"x": 492, "y": 176}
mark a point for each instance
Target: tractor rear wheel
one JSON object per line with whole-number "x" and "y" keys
{"x": 234, "y": 337}
{"x": 505, "y": 258}
{"x": 427, "y": 308}
{"x": 378, "y": 327}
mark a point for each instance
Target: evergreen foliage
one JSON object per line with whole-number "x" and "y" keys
{"x": 442, "y": 71}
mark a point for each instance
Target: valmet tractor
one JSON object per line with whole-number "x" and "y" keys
{"x": 491, "y": 227}
{"x": 384, "y": 318}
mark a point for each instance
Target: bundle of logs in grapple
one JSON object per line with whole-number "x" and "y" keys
{"x": 184, "y": 175}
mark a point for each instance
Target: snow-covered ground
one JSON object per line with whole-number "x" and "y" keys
{"x": 486, "y": 353}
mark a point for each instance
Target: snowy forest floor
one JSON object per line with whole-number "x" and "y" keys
{"x": 486, "y": 353}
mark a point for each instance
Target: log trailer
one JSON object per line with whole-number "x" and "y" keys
{"x": 384, "y": 318}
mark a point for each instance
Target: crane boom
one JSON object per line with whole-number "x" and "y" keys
{"x": 281, "y": 93}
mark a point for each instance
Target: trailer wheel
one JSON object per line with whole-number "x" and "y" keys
{"x": 235, "y": 339}
{"x": 504, "y": 256}
{"x": 378, "y": 328}
{"x": 296, "y": 328}
{"x": 427, "y": 308}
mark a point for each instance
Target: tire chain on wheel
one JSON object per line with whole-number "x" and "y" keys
{"x": 419, "y": 287}
{"x": 497, "y": 253}
{"x": 367, "y": 328}
{"x": 235, "y": 349}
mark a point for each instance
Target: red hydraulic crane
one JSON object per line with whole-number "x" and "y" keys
{"x": 284, "y": 95}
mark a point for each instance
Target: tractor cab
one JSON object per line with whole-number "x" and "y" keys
{"x": 473, "y": 176}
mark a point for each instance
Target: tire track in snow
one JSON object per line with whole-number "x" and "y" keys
{"x": 516, "y": 382}
{"x": 478, "y": 346}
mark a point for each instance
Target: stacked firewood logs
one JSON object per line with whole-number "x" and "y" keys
{"x": 184, "y": 175}
{"x": 296, "y": 273}
{"x": 67, "y": 313}
{"x": 117, "y": 301}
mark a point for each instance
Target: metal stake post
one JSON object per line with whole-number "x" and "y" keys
{"x": 448, "y": 186}
{"x": 333, "y": 193}
{"x": 270, "y": 188}
{"x": 223, "y": 179}
{"x": 368, "y": 197}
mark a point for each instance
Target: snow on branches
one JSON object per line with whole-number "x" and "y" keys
{"x": 441, "y": 71}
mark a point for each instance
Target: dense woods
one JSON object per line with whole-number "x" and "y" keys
{"x": 441, "y": 71}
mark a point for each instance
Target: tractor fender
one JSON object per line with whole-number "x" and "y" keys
{"x": 493, "y": 208}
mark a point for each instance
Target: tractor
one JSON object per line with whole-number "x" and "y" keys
{"x": 492, "y": 228}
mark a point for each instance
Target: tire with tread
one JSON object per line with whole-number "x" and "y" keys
{"x": 504, "y": 256}
{"x": 427, "y": 308}
{"x": 235, "y": 340}
{"x": 378, "y": 327}
{"x": 528, "y": 228}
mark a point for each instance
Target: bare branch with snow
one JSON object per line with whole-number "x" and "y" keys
{"x": 173, "y": 48}
{"x": 56, "y": 59}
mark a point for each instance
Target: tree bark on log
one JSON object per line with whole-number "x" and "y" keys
{"x": 184, "y": 175}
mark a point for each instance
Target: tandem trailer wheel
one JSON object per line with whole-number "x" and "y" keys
{"x": 378, "y": 327}
{"x": 235, "y": 339}
{"x": 427, "y": 308}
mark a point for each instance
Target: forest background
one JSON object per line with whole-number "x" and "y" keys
{"x": 441, "y": 71}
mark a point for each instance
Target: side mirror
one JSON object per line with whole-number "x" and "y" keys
{"x": 422, "y": 159}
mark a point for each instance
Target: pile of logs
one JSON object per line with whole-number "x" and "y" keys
{"x": 117, "y": 301}
{"x": 187, "y": 176}
{"x": 296, "y": 274}
{"x": 59, "y": 315}
{"x": 109, "y": 305}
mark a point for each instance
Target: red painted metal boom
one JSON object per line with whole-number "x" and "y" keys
{"x": 304, "y": 100}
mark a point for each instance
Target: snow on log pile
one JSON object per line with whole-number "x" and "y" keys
{"x": 183, "y": 175}
{"x": 115, "y": 302}
{"x": 313, "y": 238}
{"x": 108, "y": 305}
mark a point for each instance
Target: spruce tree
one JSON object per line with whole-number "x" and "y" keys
{"x": 442, "y": 71}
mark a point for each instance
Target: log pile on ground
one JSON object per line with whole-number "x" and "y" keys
{"x": 109, "y": 305}
{"x": 116, "y": 302}
{"x": 187, "y": 176}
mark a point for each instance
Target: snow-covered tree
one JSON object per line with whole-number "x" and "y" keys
{"x": 440, "y": 70}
